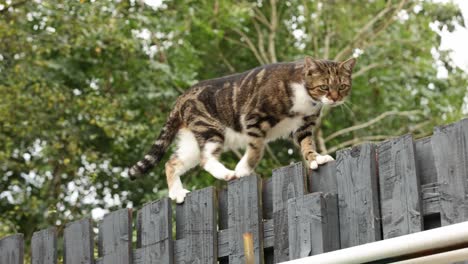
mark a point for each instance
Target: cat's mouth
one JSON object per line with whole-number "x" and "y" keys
{"x": 329, "y": 102}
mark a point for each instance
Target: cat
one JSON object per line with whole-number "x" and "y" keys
{"x": 247, "y": 110}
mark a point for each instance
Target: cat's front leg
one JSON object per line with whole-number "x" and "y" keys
{"x": 252, "y": 156}
{"x": 311, "y": 156}
{"x": 304, "y": 138}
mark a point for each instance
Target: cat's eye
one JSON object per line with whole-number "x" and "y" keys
{"x": 343, "y": 86}
{"x": 324, "y": 87}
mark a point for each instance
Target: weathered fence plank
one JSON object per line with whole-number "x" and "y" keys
{"x": 78, "y": 242}
{"x": 154, "y": 232}
{"x": 12, "y": 249}
{"x": 313, "y": 227}
{"x": 115, "y": 238}
{"x": 196, "y": 228}
{"x": 245, "y": 215}
{"x": 358, "y": 195}
{"x": 324, "y": 179}
{"x": 288, "y": 182}
{"x": 44, "y": 246}
{"x": 399, "y": 188}
{"x": 450, "y": 149}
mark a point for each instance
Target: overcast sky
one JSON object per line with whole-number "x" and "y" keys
{"x": 458, "y": 40}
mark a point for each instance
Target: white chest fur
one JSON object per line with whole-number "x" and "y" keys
{"x": 302, "y": 102}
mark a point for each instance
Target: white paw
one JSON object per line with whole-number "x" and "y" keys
{"x": 323, "y": 159}
{"x": 231, "y": 175}
{"x": 314, "y": 165}
{"x": 178, "y": 195}
{"x": 242, "y": 170}
{"x": 320, "y": 160}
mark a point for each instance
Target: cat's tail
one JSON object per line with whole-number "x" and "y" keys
{"x": 158, "y": 148}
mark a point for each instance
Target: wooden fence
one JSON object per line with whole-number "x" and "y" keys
{"x": 371, "y": 192}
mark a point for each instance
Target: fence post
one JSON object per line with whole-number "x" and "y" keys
{"x": 154, "y": 232}
{"x": 313, "y": 225}
{"x": 358, "y": 195}
{"x": 196, "y": 229}
{"x": 78, "y": 242}
{"x": 450, "y": 148}
{"x": 399, "y": 188}
{"x": 115, "y": 237}
{"x": 245, "y": 215}
{"x": 288, "y": 182}
{"x": 44, "y": 246}
{"x": 12, "y": 249}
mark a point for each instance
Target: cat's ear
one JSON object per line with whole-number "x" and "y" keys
{"x": 310, "y": 65}
{"x": 348, "y": 64}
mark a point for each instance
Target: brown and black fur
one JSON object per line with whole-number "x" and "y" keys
{"x": 251, "y": 103}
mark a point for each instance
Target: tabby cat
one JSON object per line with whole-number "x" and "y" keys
{"x": 247, "y": 110}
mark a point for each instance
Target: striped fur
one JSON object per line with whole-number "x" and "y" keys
{"x": 247, "y": 110}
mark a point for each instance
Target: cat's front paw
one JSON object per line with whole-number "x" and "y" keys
{"x": 178, "y": 195}
{"x": 242, "y": 171}
{"x": 319, "y": 160}
{"x": 230, "y": 176}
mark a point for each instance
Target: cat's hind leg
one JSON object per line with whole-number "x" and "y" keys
{"x": 186, "y": 156}
{"x": 211, "y": 144}
{"x": 210, "y": 161}
{"x": 252, "y": 156}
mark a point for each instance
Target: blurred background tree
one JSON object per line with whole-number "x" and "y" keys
{"x": 85, "y": 87}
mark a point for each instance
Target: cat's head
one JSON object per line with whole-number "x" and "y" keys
{"x": 328, "y": 82}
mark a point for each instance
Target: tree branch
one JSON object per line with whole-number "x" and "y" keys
{"x": 250, "y": 45}
{"x": 227, "y": 63}
{"x": 326, "y": 50}
{"x": 272, "y": 35}
{"x": 370, "y": 122}
{"x": 366, "y": 69}
{"x": 321, "y": 142}
{"x": 237, "y": 42}
{"x": 272, "y": 155}
{"x": 356, "y": 141}
{"x": 363, "y": 31}
{"x": 261, "y": 17}
{"x": 260, "y": 44}
{"x": 237, "y": 153}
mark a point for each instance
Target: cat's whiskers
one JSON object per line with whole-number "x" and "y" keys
{"x": 345, "y": 104}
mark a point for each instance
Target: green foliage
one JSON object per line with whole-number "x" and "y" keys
{"x": 86, "y": 86}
